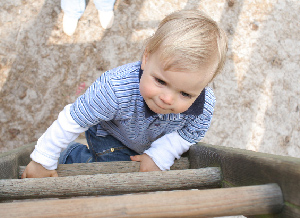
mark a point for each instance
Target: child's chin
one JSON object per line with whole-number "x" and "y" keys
{"x": 156, "y": 110}
{"x": 153, "y": 107}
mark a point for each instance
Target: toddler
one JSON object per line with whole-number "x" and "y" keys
{"x": 149, "y": 111}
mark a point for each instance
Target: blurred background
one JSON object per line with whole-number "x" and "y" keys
{"x": 42, "y": 69}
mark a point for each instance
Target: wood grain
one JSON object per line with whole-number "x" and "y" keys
{"x": 243, "y": 168}
{"x": 251, "y": 200}
{"x": 109, "y": 184}
{"x": 107, "y": 167}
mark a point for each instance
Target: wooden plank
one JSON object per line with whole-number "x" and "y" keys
{"x": 263, "y": 199}
{"x": 9, "y": 161}
{"x": 242, "y": 168}
{"x": 109, "y": 184}
{"x": 107, "y": 167}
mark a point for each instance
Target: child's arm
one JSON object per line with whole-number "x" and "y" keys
{"x": 49, "y": 146}
{"x": 146, "y": 163}
{"x": 88, "y": 110}
{"x": 36, "y": 170}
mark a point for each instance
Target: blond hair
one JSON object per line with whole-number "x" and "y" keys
{"x": 188, "y": 38}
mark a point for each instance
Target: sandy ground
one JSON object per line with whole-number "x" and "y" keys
{"x": 42, "y": 70}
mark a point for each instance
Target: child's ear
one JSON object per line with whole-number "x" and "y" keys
{"x": 144, "y": 59}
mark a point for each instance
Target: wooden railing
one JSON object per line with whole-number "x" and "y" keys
{"x": 211, "y": 181}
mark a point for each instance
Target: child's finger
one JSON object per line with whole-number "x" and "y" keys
{"x": 54, "y": 174}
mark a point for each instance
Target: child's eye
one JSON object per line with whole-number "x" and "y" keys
{"x": 160, "y": 81}
{"x": 185, "y": 94}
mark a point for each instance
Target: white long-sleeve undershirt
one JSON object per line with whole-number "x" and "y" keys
{"x": 56, "y": 138}
{"x": 164, "y": 150}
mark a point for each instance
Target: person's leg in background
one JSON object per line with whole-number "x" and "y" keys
{"x": 73, "y": 10}
{"x": 105, "y": 12}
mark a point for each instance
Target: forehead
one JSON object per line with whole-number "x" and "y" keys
{"x": 187, "y": 63}
{"x": 183, "y": 76}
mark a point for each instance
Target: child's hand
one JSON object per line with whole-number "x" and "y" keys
{"x": 36, "y": 170}
{"x": 147, "y": 164}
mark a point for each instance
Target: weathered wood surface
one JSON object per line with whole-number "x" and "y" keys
{"x": 107, "y": 167}
{"x": 11, "y": 160}
{"x": 251, "y": 200}
{"x": 109, "y": 184}
{"x": 242, "y": 168}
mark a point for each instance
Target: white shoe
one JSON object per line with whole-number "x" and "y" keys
{"x": 106, "y": 18}
{"x": 69, "y": 25}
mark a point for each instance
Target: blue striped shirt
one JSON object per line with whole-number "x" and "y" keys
{"x": 114, "y": 103}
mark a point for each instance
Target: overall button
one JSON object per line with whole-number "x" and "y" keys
{"x": 112, "y": 149}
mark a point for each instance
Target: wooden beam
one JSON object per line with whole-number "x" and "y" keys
{"x": 251, "y": 200}
{"x": 243, "y": 168}
{"x": 109, "y": 184}
{"x": 9, "y": 161}
{"x": 107, "y": 167}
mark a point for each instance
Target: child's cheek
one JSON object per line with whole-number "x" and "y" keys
{"x": 146, "y": 86}
{"x": 184, "y": 106}
{"x": 145, "y": 90}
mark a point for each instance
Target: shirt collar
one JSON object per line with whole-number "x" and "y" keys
{"x": 195, "y": 109}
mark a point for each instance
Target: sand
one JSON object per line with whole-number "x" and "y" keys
{"x": 42, "y": 69}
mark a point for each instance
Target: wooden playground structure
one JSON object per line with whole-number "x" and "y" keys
{"x": 208, "y": 181}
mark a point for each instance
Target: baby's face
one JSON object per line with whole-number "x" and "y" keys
{"x": 171, "y": 91}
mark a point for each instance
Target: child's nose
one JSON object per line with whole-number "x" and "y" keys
{"x": 167, "y": 98}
